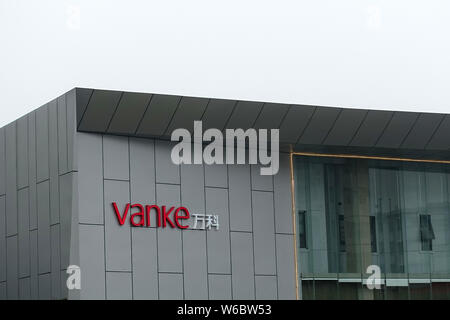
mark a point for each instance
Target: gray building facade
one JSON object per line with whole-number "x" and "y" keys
{"x": 60, "y": 172}
{"x": 355, "y": 188}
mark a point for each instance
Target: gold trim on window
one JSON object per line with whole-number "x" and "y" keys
{"x": 353, "y": 156}
{"x": 348, "y": 156}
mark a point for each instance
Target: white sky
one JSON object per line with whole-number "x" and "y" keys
{"x": 392, "y": 54}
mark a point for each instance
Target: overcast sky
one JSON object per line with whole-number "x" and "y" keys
{"x": 392, "y": 55}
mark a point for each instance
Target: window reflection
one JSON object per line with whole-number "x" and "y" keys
{"x": 353, "y": 213}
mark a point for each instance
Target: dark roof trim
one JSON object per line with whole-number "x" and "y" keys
{"x": 302, "y": 127}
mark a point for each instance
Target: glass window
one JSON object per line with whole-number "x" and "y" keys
{"x": 426, "y": 232}
{"x": 373, "y": 234}
{"x": 302, "y": 229}
{"x": 356, "y": 214}
{"x": 341, "y": 233}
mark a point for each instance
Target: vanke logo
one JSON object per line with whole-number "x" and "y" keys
{"x": 213, "y": 153}
{"x": 142, "y": 218}
{"x": 162, "y": 217}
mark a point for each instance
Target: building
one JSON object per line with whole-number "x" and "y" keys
{"x": 355, "y": 188}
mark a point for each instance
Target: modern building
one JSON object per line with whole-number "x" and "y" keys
{"x": 356, "y": 190}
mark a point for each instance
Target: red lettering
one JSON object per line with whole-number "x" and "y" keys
{"x": 186, "y": 216}
{"x": 140, "y": 214}
{"x": 166, "y": 218}
{"x": 119, "y": 217}
{"x": 158, "y": 214}
{"x": 162, "y": 216}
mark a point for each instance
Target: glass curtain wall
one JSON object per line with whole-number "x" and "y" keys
{"x": 353, "y": 214}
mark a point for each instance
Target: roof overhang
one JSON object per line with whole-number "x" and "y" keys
{"x": 303, "y": 128}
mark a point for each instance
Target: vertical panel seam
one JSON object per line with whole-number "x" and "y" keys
{"x": 332, "y": 126}
{"x": 67, "y": 133}
{"x": 172, "y": 117}
{"x": 410, "y": 130}
{"x": 258, "y": 115}
{"x": 143, "y": 115}
{"x": 357, "y": 129}
{"x": 114, "y": 112}
{"x": 71, "y": 131}
{"x": 4, "y": 207}
{"x": 306, "y": 125}
{"x": 37, "y": 207}
{"x": 204, "y": 111}
{"x": 104, "y": 217}
{"x": 85, "y": 110}
{"x": 231, "y": 115}
{"x": 56, "y": 146}
{"x": 253, "y": 233}
{"x": 229, "y": 232}
{"x": 182, "y": 240}
{"x": 156, "y": 231}
{"x": 384, "y": 129}
{"x": 434, "y": 131}
{"x": 5, "y": 229}
{"x": 28, "y": 200}
{"x": 289, "y": 107}
{"x": 17, "y": 207}
{"x": 131, "y": 229}
{"x": 57, "y": 156}
{"x": 275, "y": 235}
{"x": 206, "y": 231}
{"x": 49, "y": 191}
